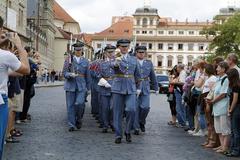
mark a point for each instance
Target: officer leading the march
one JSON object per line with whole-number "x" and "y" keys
{"x": 124, "y": 90}
{"x": 143, "y": 101}
{"x": 77, "y": 84}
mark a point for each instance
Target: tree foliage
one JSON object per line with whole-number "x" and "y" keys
{"x": 226, "y": 37}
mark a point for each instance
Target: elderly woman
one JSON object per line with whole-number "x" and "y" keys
{"x": 220, "y": 107}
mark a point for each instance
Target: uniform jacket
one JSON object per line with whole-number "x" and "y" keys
{"x": 147, "y": 75}
{"x": 128, "y": 66}
{"x": 79, "y": 83}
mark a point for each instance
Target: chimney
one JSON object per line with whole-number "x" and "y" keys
{"x": 186, "y": 20}
{"x": 176, "y": 21}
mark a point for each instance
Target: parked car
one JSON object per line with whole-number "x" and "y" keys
{"x": 163, "y": 83}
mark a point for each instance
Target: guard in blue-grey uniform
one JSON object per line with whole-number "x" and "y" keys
{"x": 94, "y": 69}
{"x": 143, "y": 101}
{"x": 105, "y": 82}
{"x": 77, "y": 85}
{"x": 124, "y": 90}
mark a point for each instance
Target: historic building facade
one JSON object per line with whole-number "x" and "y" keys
{"x": 168, "y": 42}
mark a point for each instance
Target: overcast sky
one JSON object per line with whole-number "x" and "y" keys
{"x": 95, "y": 15}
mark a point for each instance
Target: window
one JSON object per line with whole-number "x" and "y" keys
{"x": 150, "y": 32}
{"x": 170, "y": 32}
{"x": 180, "y": 46}
{"x": 144, "y": 32}
{"x": 190, "y": 46}
{"x": 144, "y": 44}
{"x": 170, "y": 60}
{"x": 145, "y": 22}
{"x": 180, "y": 59}
{"x": 20, "y": 17}
{"x": 150, "y": 57}
{"x": 201, "y": 47}
{"x": 170, "y": 46}
{"x": 160, "y": 46}
{"x": 160, "y": 58}
{"x": 181, "y": 32}
{"x": 190, "y": 60}
{"x": 138, "y": 22}
{"x": 126, "y": 31}
{"x": 99, "y": 45}
{"x": 10, "y": 4}
{"x": 137, "y": 32}
{"x": 151, "y": 22}
{"x": 149, "y": 45}
{"x": 111, "y": 31}
{"x": 160, "y": 32}
{"x": 191, "y": 32}
{"x": 137, "y": 44}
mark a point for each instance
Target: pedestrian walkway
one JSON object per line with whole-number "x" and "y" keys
{"x": 47, "y": 136}
{"x": 49, "y": 84}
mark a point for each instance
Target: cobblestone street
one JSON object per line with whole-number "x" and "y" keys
{"x": 47, "y": 136}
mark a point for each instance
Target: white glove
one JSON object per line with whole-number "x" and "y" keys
{"x": 156, "y": 92}
{"x": 107, "y": 85}
{"x": 138, "y": 92}
{"x": 102, "y": 82}
{"x": 73, "y": 75}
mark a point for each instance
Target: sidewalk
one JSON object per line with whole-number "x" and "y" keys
{"x": 49, "y": 84}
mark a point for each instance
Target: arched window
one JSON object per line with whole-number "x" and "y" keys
{"x": 190, "y": 60}
{"x": 145, "y": 22}
{"x": 170, "y": 61}
{"x": 160, "y": 61}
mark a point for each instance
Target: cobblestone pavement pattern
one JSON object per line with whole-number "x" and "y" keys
{"x": 47, "y": 136}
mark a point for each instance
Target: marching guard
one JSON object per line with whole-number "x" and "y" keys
{"x": 143, "y": 100}
{"x": 124, "y": 90}
{"x": 77, "y": 85}
{"x": 106, "y": 78}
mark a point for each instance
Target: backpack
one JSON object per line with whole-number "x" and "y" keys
{"x": 223, "y": 80}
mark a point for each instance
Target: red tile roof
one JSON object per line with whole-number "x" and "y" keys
{"x": 122, "y": 28}
{"x": 61, "y": 14}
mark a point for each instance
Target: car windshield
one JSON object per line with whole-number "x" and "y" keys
{"x": 162, "y": 78}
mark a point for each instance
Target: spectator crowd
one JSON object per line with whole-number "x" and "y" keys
{"x": 205, "y": 101}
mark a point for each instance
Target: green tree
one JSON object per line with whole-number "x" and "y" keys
{"x": 225, "y": 37}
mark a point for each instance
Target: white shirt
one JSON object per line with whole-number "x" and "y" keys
{"x": 7, "y": 61}
{"x": 77, "y": 58}
{"x": 140, "y": 61}
{"x": 208, "y": 83}
{"x": 182, "y": 76}
{"x": 125, "y": 56}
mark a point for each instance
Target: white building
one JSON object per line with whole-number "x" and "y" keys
{"x": 169, "y": 43}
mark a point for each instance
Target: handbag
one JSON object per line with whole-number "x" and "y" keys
{"x": 210, "y": 95}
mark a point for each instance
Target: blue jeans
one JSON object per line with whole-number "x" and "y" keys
{"x": 201, "y": 118}
{"x": 121, "y": 102}
{"x": 235, "y": 127}
{"x": 181, "y": 113}
{"x": 3, "y": 122}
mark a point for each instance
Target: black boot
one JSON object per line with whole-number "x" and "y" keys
{"x": 128, "y": 137}
{"x": 118, "y": 140}
{"x": 136, "y": 132}
{"x": 71, "y": 129}
{"x": 79, "y": 125}
{"x": 142, "y": 127}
